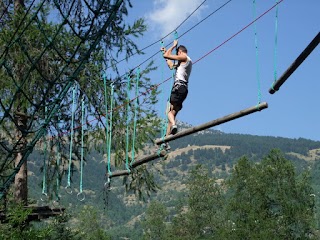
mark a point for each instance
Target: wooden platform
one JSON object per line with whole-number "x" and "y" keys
{"x": 37, "y": 213}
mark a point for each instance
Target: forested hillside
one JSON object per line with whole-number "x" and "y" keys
{"x": 122, "y": 213}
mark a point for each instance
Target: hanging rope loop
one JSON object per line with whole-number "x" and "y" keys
{"x": 68, "y": 187}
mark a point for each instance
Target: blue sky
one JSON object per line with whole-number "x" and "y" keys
{"x": 226, "y": 80}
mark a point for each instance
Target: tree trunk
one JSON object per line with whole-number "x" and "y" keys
{"x": 21, "y": 179}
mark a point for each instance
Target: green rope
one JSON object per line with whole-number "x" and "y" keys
{"x": 107, "y": 117}
{"x": 257, "y": 52}
{"x": 127, "y": 122}
{"x": 44, "y": 181}
{"x": 71, "y": 135}
{"x": 58, "y": 171}
{"x": 165, "y": 100}
{"x": 135, "y": 116}
{"x": 82, "y": 144}
{"x": 176, "y": 36}
{"x": 110, "y": 129}
{"x": 275, "y": 46}
{"x": 81, "y": 154}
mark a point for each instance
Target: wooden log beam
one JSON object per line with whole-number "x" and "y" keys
{"x": 213, "y": 123}
{"x": 312, "y": 45}
{"x": 137, "y": 163}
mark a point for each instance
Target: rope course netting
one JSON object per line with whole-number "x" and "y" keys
{"x": 42, "y": 56}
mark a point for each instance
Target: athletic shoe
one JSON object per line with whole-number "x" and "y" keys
{"x": 174, "y": 129}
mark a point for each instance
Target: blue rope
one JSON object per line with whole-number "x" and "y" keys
{"x": 58, "y": 170}
{"x": 165, "y": 100}
{"x": 176, "y": 35}
{"x": 275, "y": 46}
{"x": 71, "y": 135}
{"x": 44, "y": 181}
{"x": 110, "y": 130}
{"x": 135, "y": 116}
{"x": 82, "y": 144}
{"x": 107, "y": 119}
{"x": 127, "y": 123}
{"x": 257, "y": 52}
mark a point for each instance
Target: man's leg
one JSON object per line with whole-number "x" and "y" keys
{"x": 172, "y": 118}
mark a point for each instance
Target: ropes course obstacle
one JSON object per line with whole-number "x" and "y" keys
{"x": 259, "y": 107}
{"x": 213, "y": 123}
{"x": 303, "y": 55}
{"x": 184, "y": 133}
{"x": 68, "y": 86}
{"x": 137, "y": 163}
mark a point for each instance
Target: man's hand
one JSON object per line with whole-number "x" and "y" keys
{"x": 175, "y": 43}
{"x": 163, "y": 50}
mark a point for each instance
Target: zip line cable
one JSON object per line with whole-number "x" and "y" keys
{"x": 241, "y": 30}
{"x": 150, "y": 45}
{"x": 143, "y": 62}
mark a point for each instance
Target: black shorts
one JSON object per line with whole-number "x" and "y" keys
{"x": 178, "y": 95}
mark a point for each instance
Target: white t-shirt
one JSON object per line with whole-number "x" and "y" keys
{"x": 183, "y": 72}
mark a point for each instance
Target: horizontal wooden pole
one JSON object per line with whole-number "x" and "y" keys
{"x": 149, "y": 158}
{"x": 213, "y": 123}
{"x": 137, "y": 163}
{"x": 312, "y": 45}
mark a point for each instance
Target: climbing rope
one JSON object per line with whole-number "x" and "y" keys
{"x": 128, "y": 121}
{"x": 275, "y": 46}
{"x": 257, "y": 53}
{"x": 73, "y": 110}
{"x": 81, "y": 196}
{"x": 110, "y": 131}
{"x": 106, "y": 117}
{"x": 44, "y": 180}
{"x": 135, "y": 115}
{"x": 57, "y": 200}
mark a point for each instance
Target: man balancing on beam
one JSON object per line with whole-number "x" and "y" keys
{"x": 179, "y": 90}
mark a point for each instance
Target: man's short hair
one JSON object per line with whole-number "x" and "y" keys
{"x": 182, "y": 48}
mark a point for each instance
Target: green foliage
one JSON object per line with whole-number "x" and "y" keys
{"x": 265, "y": 200}
{"x": 16, "y": 226}
{"x": 205, "y": 213}
{"x": 54, "y": 44}
{"x": 89, "y": 226}
{"x": 154, "y": 224}
{"x": 268, "y": 201}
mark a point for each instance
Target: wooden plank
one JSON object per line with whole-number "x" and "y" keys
{"x": 213, "y": 123}
{"x": 312, "y": 45}
{"x": 38, "y": 213}
{"x": 137, "y": 163}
